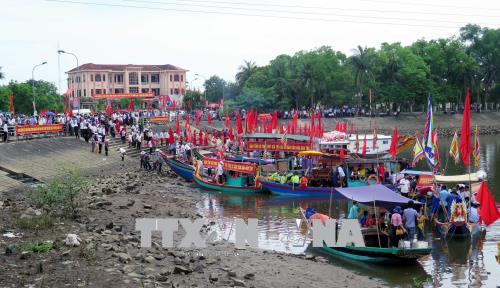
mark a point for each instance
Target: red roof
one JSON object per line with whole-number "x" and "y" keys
{"x": 122, "y": 67}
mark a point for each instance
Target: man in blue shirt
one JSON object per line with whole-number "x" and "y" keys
{"x": 473, "y": 213}
{"x": 353, "y": 212}
{"x": 410, "y": 216}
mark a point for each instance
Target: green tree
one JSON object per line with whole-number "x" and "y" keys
{"x": 214, "y": 88}
{"x": 363, "y": 62}
{"x": 196, "y": 99}
{"x": 245, "y": 71}
{"x": 2, "y": 75}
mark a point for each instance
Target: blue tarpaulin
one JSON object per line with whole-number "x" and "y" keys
{"x": 382, "y": 195}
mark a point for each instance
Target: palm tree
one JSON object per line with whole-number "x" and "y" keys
{"x": 245, "y": 71}
{"x": 363, "y": 64}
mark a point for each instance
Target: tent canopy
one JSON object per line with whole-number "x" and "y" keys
{"x": 382, "y": 195}
{"x": 474, "y": 177}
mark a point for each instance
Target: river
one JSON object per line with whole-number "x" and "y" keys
{"x": 452, "y": 263}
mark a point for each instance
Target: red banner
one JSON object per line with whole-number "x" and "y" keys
{"x": 34, "y": 129}
{"x": 158, "y": 119}
{"x": 123, "y": 95}
{"x": 278, "y": 146}
{"x": 243, "y": 167}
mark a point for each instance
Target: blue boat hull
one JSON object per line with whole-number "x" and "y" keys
{"x": 285, "y": 189}
{"x": 181, "y": 169}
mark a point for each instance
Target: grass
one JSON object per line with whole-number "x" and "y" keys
{"x": 39, "y": 247}
{"x": 41, "y": 222}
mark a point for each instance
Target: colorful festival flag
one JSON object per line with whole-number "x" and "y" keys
{"x": 363, "y": 151}
{"x": 428, "y": 145}
{"x": 418, "y": 151}
{"x": 476, "y": 153}
{"x": 454, "y": 149}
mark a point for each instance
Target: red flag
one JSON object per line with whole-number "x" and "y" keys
{"x": 177, "y": 127}
{"x": 274, "y": 122}
{"x": 11, "y": 103}
{"x": 205, "y": 140}
{"x": 198, "y": 117}
{"x": 465, "y": 147}
{"x": 239, "y": 125}
{"x": 109, "y": 109}
{"x": 209, "y": 118}
{"x": 228, "y": 121}
{"x": 194, "y": 137}
{"x": 282, "y": 128}
{"x": 363, "y": 151}
{"x": 200, "y": 137}
{"x": 394, "y": 143}
{"x": 294, "y": 123}
{"x": 488, "y": 210}
{"x": 342, "y": 155}
{"x": 231, "y": 135}
{"x": 130, "y": 106}
{"x": 66, "y": 104}
{"x": 171, "y": 139}
{"x": 311, "y": 131}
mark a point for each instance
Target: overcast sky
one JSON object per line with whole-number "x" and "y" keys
{"x": 217, "y": 40}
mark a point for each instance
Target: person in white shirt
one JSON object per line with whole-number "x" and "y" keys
{"x": 5, "y": 132}
{"x": 220, "y": 173}
{"x": 341, "y": 175}
{"x": 404, "y": 186}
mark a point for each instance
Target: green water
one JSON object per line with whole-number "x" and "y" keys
{"x": 451, "y": 264}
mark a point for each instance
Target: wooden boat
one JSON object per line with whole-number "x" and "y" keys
{"x": 210, "y": 184}
{"x": 237, "y": 183}
{"x": 376, "y": 247}
{"x": 377, "y": 255}
{"x": 286, "y": 189}
{"x": 182, "y": 169}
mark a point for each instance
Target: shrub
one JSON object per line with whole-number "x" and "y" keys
{"x": 63, "y": 195}
{"x": 39, "y": 247}
{"x": 36, "y": 223}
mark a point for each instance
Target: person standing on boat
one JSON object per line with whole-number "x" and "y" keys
{"x": 341, "y": 176}
{"x": 220, "y": 172}
{"x": 396, "y": 225}
{"x": 353, "y": 212}
{"x": 381, "y": 172}
{"x": 295, "y": 179}
{"x": 473, "y": 213}
{"x": 303, "y": 180}
{"x": 410, "y": 216}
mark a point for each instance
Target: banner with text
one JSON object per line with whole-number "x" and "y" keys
{"x": 277, "y": 146}
{"x": 35, "y": 129}
{"x": 158, "y": 119}
{"x": 123, "y": 96}
{"x": 242, "y": 167}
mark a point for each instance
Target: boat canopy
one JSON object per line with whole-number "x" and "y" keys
{"x": 378, "y": 193}
{"x": 474, "y": 177}
{"x": 415, "y": 172}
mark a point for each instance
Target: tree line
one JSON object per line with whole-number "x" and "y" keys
{"x": 398, "y": 77}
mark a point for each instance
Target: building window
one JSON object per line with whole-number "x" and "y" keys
{"x": 92, "y": 92}
{"x": 133, "y": 89}
{"x": 155, "y": 78}
{"x": 83, "y": 77}
{"x": 182, "y": 78}
{"x": 171, "y": 91}
{"x": 73, "y": 93}
{"x": 98, "y": 91}
{"x": 176, "y": 91}
{"x": 145, "y": 90}
{"x": 84, "y": 91}
{"x": 176, "y": 78}
{"x": 97, "y": 77}
{"x": 133, "y": 78}
{"x": 144, "y": 78}
{"x": 79, "y": 93}
{"x": 118, "y": 78}
{"x": 170, "y": 78}
{"x": 119, "y": 91}
{"x": 103, "y": 77}
{"x": 91, "y": 77}
{"x": 156, "y": 91}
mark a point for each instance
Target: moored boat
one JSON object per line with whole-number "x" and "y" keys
{"x": 243, "y": 178}
{"x": 287, "y": 189}
{"x": 182, "y": 169}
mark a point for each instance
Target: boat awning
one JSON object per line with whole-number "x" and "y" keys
{"x": 382, "y": 195}
{"x": 457, "y": 178}
{"x": 415, "y": 172}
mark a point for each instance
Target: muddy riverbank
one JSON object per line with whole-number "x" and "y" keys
{"x": 110, "y": 256}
